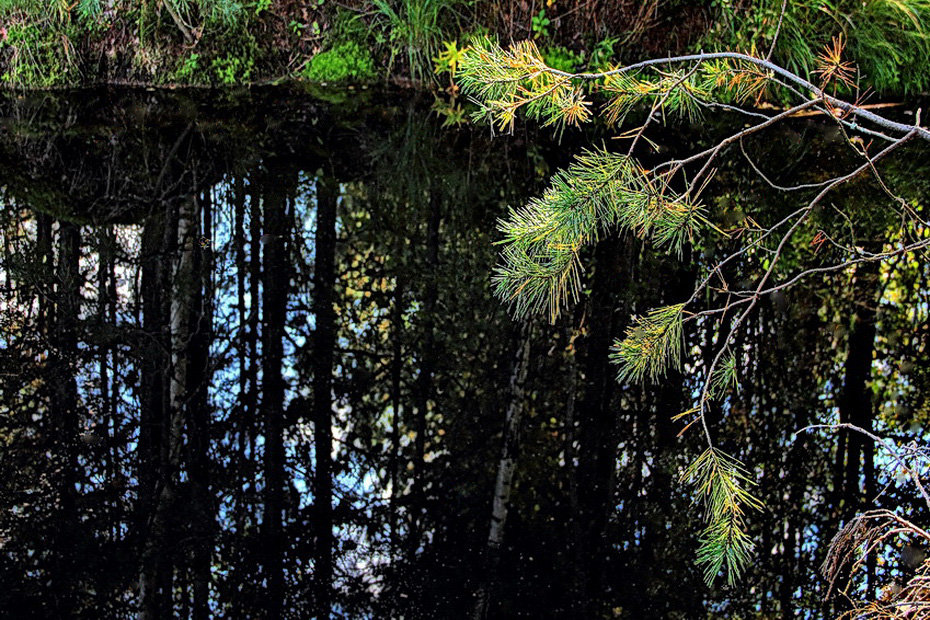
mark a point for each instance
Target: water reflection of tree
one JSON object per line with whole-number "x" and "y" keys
{"x": 354, "y": 287}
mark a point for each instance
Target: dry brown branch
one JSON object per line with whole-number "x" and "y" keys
{"x": 849, "y": 550}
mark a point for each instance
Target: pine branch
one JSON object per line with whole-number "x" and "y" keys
{"x": 599, "y": 192}
{"x": 721, "y": 483}
{"x": 724, "y": 377}
{"x": 652, "y": 344}
{"x": 502, "y": 81}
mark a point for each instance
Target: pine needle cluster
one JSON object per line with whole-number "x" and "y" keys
{"x": 601, "y": 191}
{"x": 736, "y": 81}
{"x": 722, "y": 482}
{"x": 503, "y": 81}
{"x": 652, "y": 344}
{"x": 724, "y": 377}
{"x": 679, "y": 92}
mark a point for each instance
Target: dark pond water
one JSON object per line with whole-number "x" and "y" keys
{"x": 201, "y": 290}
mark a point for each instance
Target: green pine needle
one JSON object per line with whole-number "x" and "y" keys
{"x": 601, "y": 191}
{"x": 721, "y": 483}
{"x": 724, "y": 377}
{"x": 652, "y": 344}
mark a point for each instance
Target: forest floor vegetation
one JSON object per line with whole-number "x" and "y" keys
{"x": 222, "y": 43}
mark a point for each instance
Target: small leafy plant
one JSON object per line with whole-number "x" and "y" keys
{"x": 603, "y": 52}
{"x": 188, "y": 68}
{"x": 232, "y": 69}
{"x": 447, "y": 61}
{"x": 562, "y": 58}
{"x": 37, "y": 55}
{"x": 262, "y": 6}
{"x": 540, "y": 25}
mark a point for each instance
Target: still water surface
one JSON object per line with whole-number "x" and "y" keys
{"x": 201, "y": 289}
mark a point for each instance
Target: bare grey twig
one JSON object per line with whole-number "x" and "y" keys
{"x": 894, "y": 451}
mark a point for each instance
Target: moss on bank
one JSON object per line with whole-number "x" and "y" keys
{"x": 54, "y": 43}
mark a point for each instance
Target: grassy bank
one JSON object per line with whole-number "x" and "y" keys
{"x": 63, "y": 43}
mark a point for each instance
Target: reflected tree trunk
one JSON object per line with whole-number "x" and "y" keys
{"x": 597, "y": 422}
{"x": 242, "y": 410}
{"x": 856, "y": 397}
{"x": 573, "y": 531}
{"x": 45, "y": 256}
{"x": 506, "y": 468}
{"x": 324, "y": 341}
{"x": 255, "y": 276}
{"x": 153, "y": 361}
{"x": 856, "y": 406}
{"x": 155, "y": 584}
{"x": 424, "y": 382}
{"x": 109, "y": 428}
{"x": 198, "y": 422}
{"x": 65, "y": 409}
{"x": 275, "y": 278}
{"x": 397, "y": 364}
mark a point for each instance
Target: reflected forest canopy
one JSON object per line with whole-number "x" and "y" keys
{"x": 253, "y": 367}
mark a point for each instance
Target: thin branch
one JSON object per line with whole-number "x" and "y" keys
{"x": 793, "y": 188}
{"x": 818, "y": 93}
{"x": 658, "y": 105}
{"x": 899, "y": 459}
{"x": 774, "y": 261}
{"x": 781, "y": 16}
{"x": 882, "y": 256}
{"x": 176, "y": 18}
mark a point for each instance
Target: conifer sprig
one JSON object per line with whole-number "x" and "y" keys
{"x": 599, "y": 192}
{"x": 724, "y": 377}
{"x": 721, "y": 483}
{"x": 678, "y": 91}
{"x": 652, "y": 344}
{"x": 738, "y": 81}
{"x": 504, "y": 80}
